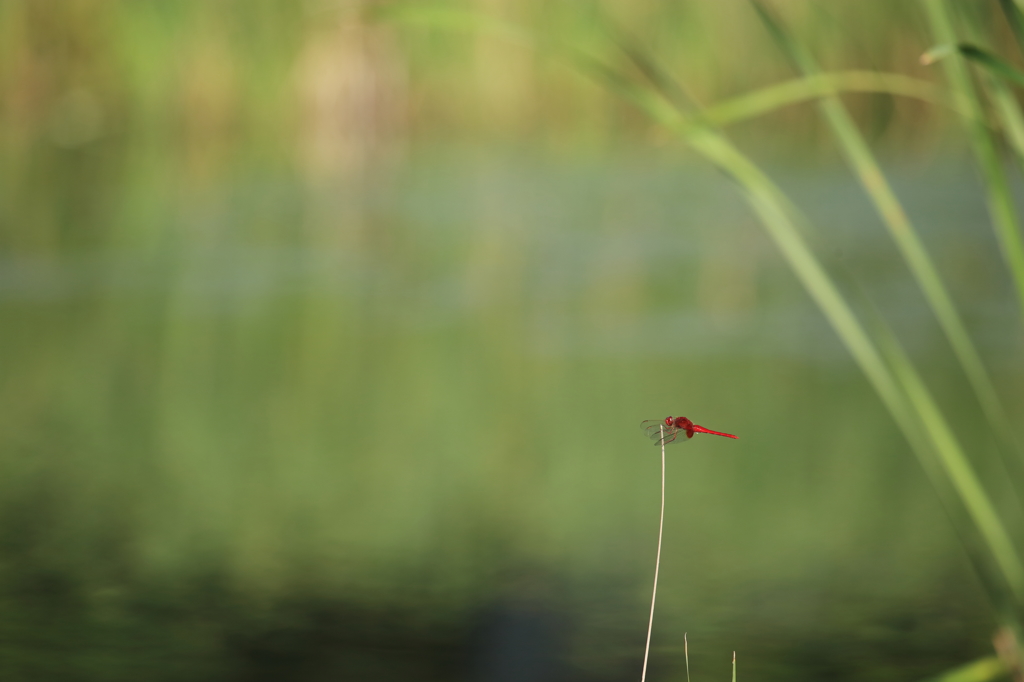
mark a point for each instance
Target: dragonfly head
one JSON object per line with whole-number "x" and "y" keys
{"x": 670, "y": 421}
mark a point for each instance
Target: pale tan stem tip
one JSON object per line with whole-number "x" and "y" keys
{"x": 936, "y": 53}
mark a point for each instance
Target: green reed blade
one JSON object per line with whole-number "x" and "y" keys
{"x": 1015, "y": 18}
{"x": 770, "y": 98}
{"x": 1001, "y": 73}
{"x": 981, "y": 670}
{"x": 996, "y": 75}
{"x": 786, "y": 227}
{"x": 909, "y": 403}
{"x": 955, "y": 463}
{"x": 991, "y": 63}
{"x": 1009, "y": 113}
{"x": 903, "y": 232}
{"x": 761, "y": 193}
{"x": 1006, "y": 104}
{"x": 1000, "y": 201}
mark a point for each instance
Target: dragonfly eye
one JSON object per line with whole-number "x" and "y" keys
{"x": 668, "y": 421}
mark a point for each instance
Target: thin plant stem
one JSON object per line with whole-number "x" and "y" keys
{"x": 686, "y": 655}
{"x": 657, "y": 565}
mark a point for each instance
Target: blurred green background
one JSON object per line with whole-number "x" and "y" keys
{"x": 325, "y": 341}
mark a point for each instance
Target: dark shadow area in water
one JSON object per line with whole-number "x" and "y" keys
{"x": 520, "y": 637}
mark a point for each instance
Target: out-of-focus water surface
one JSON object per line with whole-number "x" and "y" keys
{"x": 394, "y": 430}
{"x": 325, "y": 344}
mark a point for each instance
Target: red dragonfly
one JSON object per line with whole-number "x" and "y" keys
{"x": 671, "y": 430}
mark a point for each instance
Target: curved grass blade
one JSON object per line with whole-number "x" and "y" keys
{"x": 811, "y": 87}
{"x": 1015, "y": 18}
{"x": 915, "y": 414}
{"x": 903, "y": 233}
{"x": 991, "y": 63}
{"x": 1009, "y": 114}
{"x": 956, "y": 465}
{"x": 786, "y": 227}
{"x": 726, "y": 112}
{"x": 1000, "y": 201}
{"x": 775, "y": 212}
{"x": 1002, "y": 73}
{"x": 997, "y": 75}
{"x": 912, "y": 413}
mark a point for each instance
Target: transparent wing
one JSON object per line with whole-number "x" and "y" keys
{"x": 652, "y": 428}
{"x": 659, "y": 432}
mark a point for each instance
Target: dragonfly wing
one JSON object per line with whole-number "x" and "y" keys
{"x": 654, "y": 428}
{"x": 660, "y": 433}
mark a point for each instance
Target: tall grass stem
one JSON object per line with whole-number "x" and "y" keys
{"x": 657, "y": 565}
